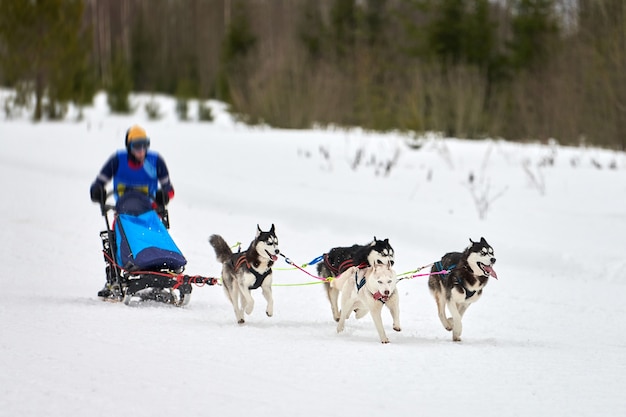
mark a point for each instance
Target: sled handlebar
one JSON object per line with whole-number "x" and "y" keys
{"x": 104, "y": 207}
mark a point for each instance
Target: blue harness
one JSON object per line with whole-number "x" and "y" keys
{"x": 439, "y": 266}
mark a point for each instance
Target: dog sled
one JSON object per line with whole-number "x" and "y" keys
{"x": 142, "y": 262}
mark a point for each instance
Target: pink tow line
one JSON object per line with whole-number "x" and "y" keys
{"x": 303, "y": 270}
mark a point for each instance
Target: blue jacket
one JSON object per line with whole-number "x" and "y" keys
{"x": 126, "y": 174}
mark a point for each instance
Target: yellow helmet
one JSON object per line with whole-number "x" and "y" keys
{"x": 135, "y": 133}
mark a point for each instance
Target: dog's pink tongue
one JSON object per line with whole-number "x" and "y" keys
{"x": 274, "y": 257}
{"x": 491, "y": 271}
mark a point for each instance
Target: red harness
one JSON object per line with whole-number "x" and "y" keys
{"x": 241, "y": 259}
{"x": 345, "y": 265}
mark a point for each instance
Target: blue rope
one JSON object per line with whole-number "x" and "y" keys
{"x": 316, "y": 260}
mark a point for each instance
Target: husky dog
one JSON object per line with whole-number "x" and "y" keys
{"x": 367, "y": 290}
{"x": 248, "y": 270}
{"x": 337, "y": 260}
{"x": 463, "y": 285}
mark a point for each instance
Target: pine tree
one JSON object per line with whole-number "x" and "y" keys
{"x": 534, "y": 29}
{"x": 46, "y": 47}
{"x": 121, "y": 86}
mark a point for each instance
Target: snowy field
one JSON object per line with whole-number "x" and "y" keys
{"x": 544, "y": 340}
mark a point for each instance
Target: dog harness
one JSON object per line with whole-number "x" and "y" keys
{"x": 258, "y": 277}
{"x": 345, "y": 265}
{"x": 439, "y": 266}
{"x": 377, "y": 295}
{"x": 468, "y": 293}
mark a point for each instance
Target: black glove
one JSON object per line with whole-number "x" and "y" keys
{"x": 97, "y": 192}
{"x": 162, "y": 198}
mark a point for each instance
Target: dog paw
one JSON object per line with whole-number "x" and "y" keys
{"x": 384, "y": 341}
{"x": 269, "y": 314}
{"x": 397, "y": 328}
{"x": 456, "y": 338}
{"x": 339, "y": 328}
{"x": 241, "y": 321}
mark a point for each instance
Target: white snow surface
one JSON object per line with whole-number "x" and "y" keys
{"x": 544, "y": 340}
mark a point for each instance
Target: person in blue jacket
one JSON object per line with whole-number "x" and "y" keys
{"x": 135, "y": 168}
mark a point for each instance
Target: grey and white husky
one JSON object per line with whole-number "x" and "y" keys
{"x": 469, "y": 272}
{"x": 367, "y": 290}
{"x": 339, "y": 259}
{"x": 248, "y": 270}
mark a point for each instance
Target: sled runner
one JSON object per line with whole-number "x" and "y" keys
{"x": 142, "y": 261}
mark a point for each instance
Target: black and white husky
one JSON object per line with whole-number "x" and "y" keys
{"x": 248, "y": 270}
{"x": 339, "y": 259}
{"x": 463, "y": 285}
{"x": 367, "y": 290}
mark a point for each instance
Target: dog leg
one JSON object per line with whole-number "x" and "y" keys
{"x": 232, "y": 293}
{"x": 267, "y": 293}
{"x": 457, "y": 326}
{"x": 463, "y": 309}
{"x": 247, "y": 302}
{"x": 342, "y": 321}
{"x": 228, "y": 289}
{"x": 441, "y": 310}
{"x": 375, "y": 311}
{"x": 333, "y": 297}
{"x": 394, "y": 307}
{"x": 347, "y": 305}
{"x": 235, "y": 298}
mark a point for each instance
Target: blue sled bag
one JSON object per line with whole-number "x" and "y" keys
{"x": 143, "y": 242}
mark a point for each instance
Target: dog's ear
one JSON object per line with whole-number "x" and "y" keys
{"x": 471, "y": 241}
{"x": 483, "y": 241}
{"x": 258, "y": 230}
{"x": 272, "y": 229}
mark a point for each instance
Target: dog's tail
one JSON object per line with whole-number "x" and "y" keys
{"x": 222, "y": 250}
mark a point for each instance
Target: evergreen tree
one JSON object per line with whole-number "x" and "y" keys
{"x": 534, "y": 29}
{"x": 446, "y": 32}
{"x": 44, "y": 46}
{"x": 311, "y": 30}
{"x": 121, "y": 86}
{"x": 237, "y": 44}
{"x": 343, "y": 26}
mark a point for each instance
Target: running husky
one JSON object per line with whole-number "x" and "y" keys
{"x": 463, "y": 285}
{"x": 367, "y": 290}
{"x": 338, "y": 260}
{"x": 248, "y": 270}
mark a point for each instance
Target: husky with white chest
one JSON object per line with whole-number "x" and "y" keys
{"x": 469, "y": 272}
{"x": 339, "y": 259}
{"x": 248, "y": 270}
{"x": 366, "y": 290}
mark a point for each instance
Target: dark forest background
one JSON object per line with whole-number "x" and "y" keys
{"x": 516, "y": 69}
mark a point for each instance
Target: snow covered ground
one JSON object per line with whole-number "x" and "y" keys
{"x": 544, "y": 340}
